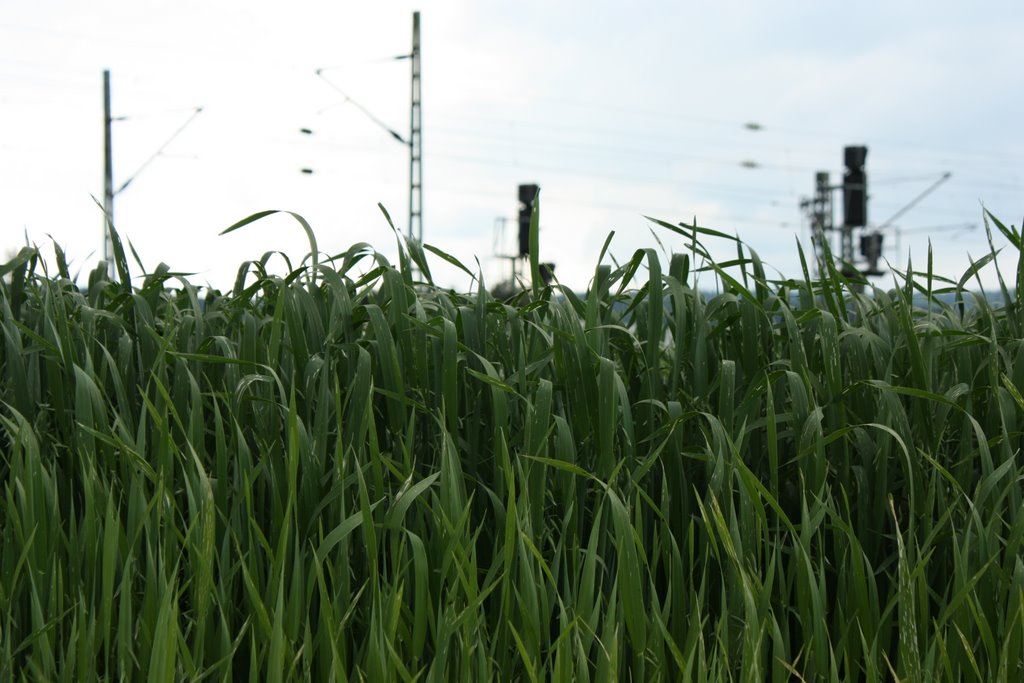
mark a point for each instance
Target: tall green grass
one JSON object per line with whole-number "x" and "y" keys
{"x": 347, "y": 473}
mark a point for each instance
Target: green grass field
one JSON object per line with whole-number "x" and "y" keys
{"x": 335, "y": 476}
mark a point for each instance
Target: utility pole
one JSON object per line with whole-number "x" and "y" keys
{"x": 499, "y": 248}
{"x": 108, "y": 168}
{"x": 855, "y": 212}
{"x": 855, "y": 200}
{"x": 415, "y": 140}
{"x": 108, "y": 175}
{"x": 819, "y": 210}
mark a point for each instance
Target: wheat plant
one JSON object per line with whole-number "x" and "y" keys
{"x": 347, "y": 473}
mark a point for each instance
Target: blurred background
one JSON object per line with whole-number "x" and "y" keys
{"x": 723, "y": 112}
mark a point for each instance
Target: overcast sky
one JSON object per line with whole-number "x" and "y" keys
{"x": 617, "y": 110}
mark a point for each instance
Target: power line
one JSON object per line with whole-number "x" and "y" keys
{"x": 800, "y": 135}
{"x": 365, "y": 62}
{"x": 195, "y": 112}
{"x": 737, "y": 190}
{"x": 370, "y": 115}
{"x": 667, "y": 158}
{"x": 639, "y": 210}
{"x": 766, "y": 127}
{"x": 745, "y": 192}
{"x": 108, "y": 174}
{"x": 156, "y": 114}
{"x": 915, "y": 201}
{"x": 735, "y": 123}
{"x": 504, "y": 128}
{"x": 415, "y": 139}
{"x": 962, "y": 227}
{"x": 641, "y": 154}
